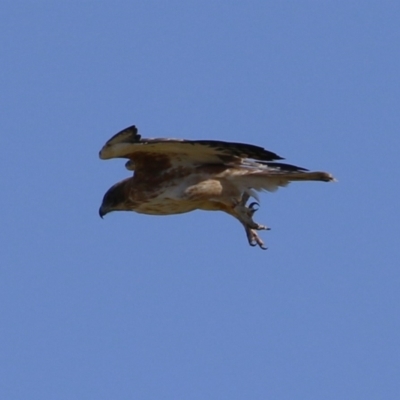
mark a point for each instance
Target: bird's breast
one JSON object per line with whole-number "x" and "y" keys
{"x": 165, "y": 206}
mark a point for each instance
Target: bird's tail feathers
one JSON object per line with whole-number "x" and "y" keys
{"x": 272, "y": 180}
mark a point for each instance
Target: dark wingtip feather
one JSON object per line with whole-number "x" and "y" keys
{"x": 242, "y": 150}
{"x": 129, "y": 134}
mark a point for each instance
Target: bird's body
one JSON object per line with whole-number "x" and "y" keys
{"x": 173, "y": 176}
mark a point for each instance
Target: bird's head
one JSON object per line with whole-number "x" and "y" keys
{"x": 114, "y": 199}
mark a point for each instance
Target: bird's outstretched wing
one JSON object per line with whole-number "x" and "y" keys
{"x": 174, "y": 176}
{"x": 129, "y": 144}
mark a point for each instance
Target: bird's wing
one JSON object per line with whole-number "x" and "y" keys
{"x": 129, "y": 144}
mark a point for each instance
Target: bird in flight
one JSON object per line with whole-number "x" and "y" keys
{"x": 174, "y": 176}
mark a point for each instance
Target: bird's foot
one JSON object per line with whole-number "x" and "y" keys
{"x": 254, "y": 239}
{"x": 245, "y": 216}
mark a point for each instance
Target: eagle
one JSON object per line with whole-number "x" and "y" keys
{"x": 175, "y": 176}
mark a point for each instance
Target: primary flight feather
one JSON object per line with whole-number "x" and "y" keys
{"x": 174, "y": 176}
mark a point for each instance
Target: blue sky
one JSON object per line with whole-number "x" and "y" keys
{"x": 180, "y": 307}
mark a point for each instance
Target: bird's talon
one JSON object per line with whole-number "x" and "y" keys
{"x": 254, "y": 206}
{"x": 254, "y": 239}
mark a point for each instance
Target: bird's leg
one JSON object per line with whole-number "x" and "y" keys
{"x": 245, "y": 216}
{"x": 243, "y": 200}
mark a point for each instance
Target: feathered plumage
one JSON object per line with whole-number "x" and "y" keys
{"x": 173, "y": 176}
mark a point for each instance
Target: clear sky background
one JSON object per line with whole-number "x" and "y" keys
{"x": 180, "y": 307}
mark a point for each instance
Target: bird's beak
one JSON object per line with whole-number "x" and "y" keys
{"x": 102, "y": 212}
